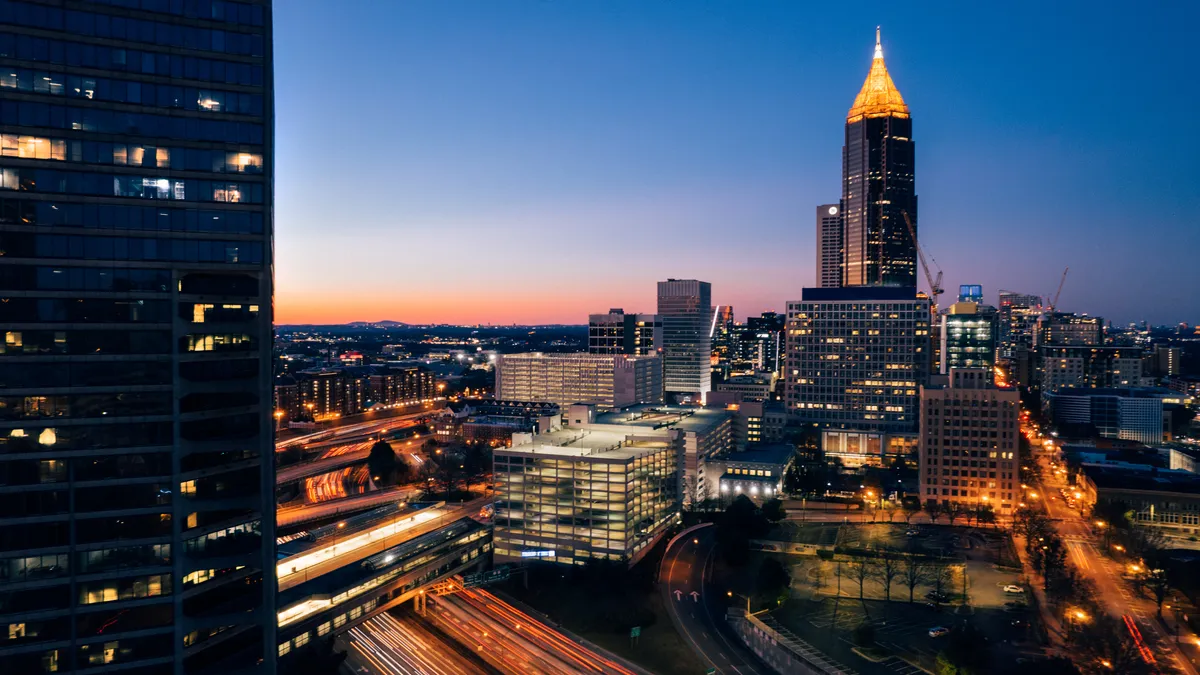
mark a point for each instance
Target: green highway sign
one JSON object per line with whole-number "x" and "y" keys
{"x": 636, "y": 631}
{"x": 483, "y": 578}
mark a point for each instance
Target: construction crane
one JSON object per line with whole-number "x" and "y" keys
{"x": 935, "y": 285}
{"x": 1057, "y": 293}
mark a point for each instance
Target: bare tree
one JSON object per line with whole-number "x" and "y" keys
{"x": 934, "y": 508}
{"x": 986, "y": 515}
{"x": 940, "y": 576}
{"x": 914, "y": 572}
{"x": 891, "y": 508}
{"x": 911, "y": 508}
{"x": 886, "y": 569}
{"x": 860, "y": 570}
{"x": 953, "y": 510}
{"x": 970, "y": 512}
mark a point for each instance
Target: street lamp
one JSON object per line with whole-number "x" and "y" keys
{"x": 746, "y": 597}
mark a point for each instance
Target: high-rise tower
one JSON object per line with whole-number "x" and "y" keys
{"x": 137, "y": 477}
{"x": 829, "y": 246}
{"x": 685, "y": 308}
{"x": 878, "y": 167}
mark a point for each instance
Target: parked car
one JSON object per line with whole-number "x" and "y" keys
{"x": 936, "y": 597}
{"x": 938, "y": 631}
{"x": 1013, "y": 589}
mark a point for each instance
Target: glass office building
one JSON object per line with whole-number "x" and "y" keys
{"x": 136, "y": 463}
{"x": 878, "y": 184}
{"x": 686, "y": 312}
{"x": 969, "y": 337}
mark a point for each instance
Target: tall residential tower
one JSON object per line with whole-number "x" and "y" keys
{"x": 137, "y": 482}
{"x": 829, "y": 246}
{"x": 878, "y": 183}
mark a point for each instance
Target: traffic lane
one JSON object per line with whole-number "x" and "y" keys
{"x": 507, "y": 614}
{"x": 674, "y": 574}
{"x": 515, "y": 653}
{"x": 1091, "y": 563}
{"x": 470, "y": 634}
{"x": 385, "y": 645}
{"x": 342, "y": 429}
{"x": 517, "y": 647}
{"x": 695, "y": 609}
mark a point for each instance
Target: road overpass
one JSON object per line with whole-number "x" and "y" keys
{"x": 336, "y": 581}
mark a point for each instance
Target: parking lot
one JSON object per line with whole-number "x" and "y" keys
{"x": 900, "y": 627}
{"x": 959, "y": 543}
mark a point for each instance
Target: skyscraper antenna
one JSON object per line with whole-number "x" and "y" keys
{"x": 878, "y": 44}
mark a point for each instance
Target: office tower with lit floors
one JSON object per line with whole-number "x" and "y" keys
{"x": 855, "y": 358}
{"x": 619, "y": 333}
{"x": 686, "y": 311}
{"x": 136, "y": 450}
{"x": 878, "y": 184}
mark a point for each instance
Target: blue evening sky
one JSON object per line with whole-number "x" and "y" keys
{"x": 498, "y": 161}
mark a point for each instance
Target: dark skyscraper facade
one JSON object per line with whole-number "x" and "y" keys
{"x": 686, "y": 311}
{"x": 829, "y": 246}
{"x": 136, "y": 454}
{"x": 878, "y": 168}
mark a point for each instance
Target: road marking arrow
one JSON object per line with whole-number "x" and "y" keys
{"x": 678, "y": 594}
{"x": 695, "y": 596}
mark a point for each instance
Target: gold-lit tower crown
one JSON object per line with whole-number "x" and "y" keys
{"x": 879, "y": 96}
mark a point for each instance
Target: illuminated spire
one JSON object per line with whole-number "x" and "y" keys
{"x": 878, "y": 96}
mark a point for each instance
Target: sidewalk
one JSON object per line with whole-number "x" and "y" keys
{"x": 1054, "y": 627}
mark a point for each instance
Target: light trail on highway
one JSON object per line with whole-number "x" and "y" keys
{"x": 351, "y": 544}
{"x": 387, "y": 645}
{"x": 512, "y": 640}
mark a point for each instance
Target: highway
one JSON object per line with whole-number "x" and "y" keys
{"x": 356, "y": 546}
{"x": 1114, "y": 593}
{"x": 348, "y": 454}
{"x": 304, "y": 513}
{"x": 379, "y": 423}
{"x": 698, "y": 611}
{"x": 403, "y": 645}
{"x": 294, "y": 472}
{"x": 514, "y": 642}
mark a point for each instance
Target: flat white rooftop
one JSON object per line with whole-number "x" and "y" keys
{"x": 591, "y": 444}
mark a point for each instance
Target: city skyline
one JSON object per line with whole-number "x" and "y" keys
{"x": 610, "y": 132}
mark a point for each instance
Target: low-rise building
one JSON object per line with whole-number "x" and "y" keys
{"x": 605, "y": 380}
{"x": 1128, "y": 413}
{"x": 494, "y": 422}
{"x": 576, "y": 495}
{"x": 1167, "y": 501}
{"x": 755, "y": 387}
{"x": 753, "y": 421}
{"x": 1064, "y": 328}
{"x": 706, "y": 432}
{"x": 756, "y": 472}
{"x": 1088, "y": 367}
{"x": 399, "y": 385}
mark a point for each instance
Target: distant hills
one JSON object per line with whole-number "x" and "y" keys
{"x": 385, "y": 324}
{"x": 402, "y": 325}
